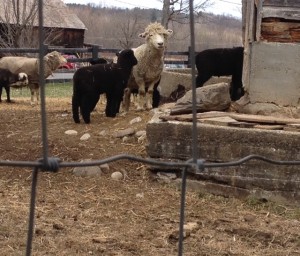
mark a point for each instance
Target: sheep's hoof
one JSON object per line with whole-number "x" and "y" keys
{"x": 139, "y": 108}
{"x": 149, "y": 107}
{"x": 123, "y": 113}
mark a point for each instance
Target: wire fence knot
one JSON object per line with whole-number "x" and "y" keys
{"x": 51, "y": 164}
{"x": 200, "y": 164}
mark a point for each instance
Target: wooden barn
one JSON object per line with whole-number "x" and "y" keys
{"x": 271, "y": 72}
{"x": 61, "y": 24}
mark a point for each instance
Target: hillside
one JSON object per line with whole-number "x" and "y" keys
{"x": 119, "y": 28}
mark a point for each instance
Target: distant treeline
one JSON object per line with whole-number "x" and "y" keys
{"x": 119, "y": 28}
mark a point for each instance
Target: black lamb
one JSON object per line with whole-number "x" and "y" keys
{"x": 222, "y": 62}
{"x": 98, "y": 61}
{"x": 111, "y": 79}
{"x": 8, "y": 78}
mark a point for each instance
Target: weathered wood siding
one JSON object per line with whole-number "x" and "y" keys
{"x": 280, "y": 21}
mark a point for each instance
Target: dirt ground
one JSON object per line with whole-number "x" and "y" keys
{"x": 138, "y": 215}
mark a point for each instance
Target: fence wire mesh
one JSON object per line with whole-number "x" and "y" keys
{"x": 50, "y": 164}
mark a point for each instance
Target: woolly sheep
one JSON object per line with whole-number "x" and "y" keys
{"x": 8, "y": 79}
{"x": 30, "y": 66}
{"x": 222, "y": 62}
{"x": 111, "y": 79}
{"x": 147, "y": 72}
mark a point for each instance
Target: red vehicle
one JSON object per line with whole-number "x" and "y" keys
{"x": 70, "y": 65}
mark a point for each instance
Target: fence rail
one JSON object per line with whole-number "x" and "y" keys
{"x": 95, "y": 51}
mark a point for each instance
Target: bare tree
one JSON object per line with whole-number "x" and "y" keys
{"x": 18, "y": 24}
{"x": 132, "y": 26}
{"x": 178, "y": 10}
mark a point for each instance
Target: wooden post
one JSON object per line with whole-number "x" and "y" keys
{"x": 95, "y": 50}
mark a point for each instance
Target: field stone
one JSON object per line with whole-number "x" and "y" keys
{"x": 85, "y": 136}
{"x": 135, "y": 120}
{"x": 142, "y": 139}
{"x": 123, "y": 133}
{"x": 87, "y": 171}
{"x": 188, "y": 229}
{"x": 103, "y": 133}
{"x": 104, "y": 167}
{"x": 71, "y": 132}
{"x": 140, "y": 133}
{"x": 117, "y": 176}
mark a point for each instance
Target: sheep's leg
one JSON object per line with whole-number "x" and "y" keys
{"x": 37, "y": 91}
{"x": 142, "y": 97}
{"x": 126, "y": 100}
{"x": 75, "y": 108}
{"x": 155, "y": 98}
{"x": 32, "y": 97}
{"x": 7, "y": 90}
{"x": 85, "y": 108}
{"x": 1, "y": 93}
{"x": 111, "y": 105}
{"x": 202, "y": 78}
{"x": 34, "y": 90}
{"x": 236, "y": 87}
{"x": 149, "y": 97}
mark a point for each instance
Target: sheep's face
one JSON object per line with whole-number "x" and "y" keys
{"x": 55, "y": 59}
{"x": 157, "y": 38}
{"x": 22, "y": 80}
{"x": 126, "y": 58}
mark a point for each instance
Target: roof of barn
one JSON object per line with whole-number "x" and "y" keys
{"x": 56, "y": 14}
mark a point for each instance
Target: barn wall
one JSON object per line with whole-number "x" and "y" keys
{"x": 271, "y": 56}
{"x": 274, "y": 73}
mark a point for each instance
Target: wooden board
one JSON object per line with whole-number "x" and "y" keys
{"x": 292, "y": 127}
{"x": 239, "y": 120}
{"x": 269, "y": 127}
{"x": 264, "y": 119}
{"x": 224, "y": 120}
{"x": 189, "y": 117}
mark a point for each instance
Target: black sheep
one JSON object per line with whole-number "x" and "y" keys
{"x": 98, "y": 61}
{"x": 111, "y": 79}
{"x": 8, "y": 78}
{"x": 222, "y": 62}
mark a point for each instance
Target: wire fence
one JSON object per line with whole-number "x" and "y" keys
{"x": 52, "y": 165}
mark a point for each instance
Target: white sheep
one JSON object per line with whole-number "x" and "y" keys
{"x": 147, "y": 72}
{"x": 30, "y": 66}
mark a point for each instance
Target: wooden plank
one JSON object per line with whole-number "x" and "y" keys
{"x": 189, "y": 117}
{"x": 241, "y": 124}
{"x": 277, "y": 31}
{"x": 258, "y": 19}
{"x": 281, "y": 12}
{"x": 223, "y": 121}
{"x": 281, "y": 3}
{"x": 264, "y": 119}
{"x": 292, "y": 127}
{"x": 252, "y": 20}
{"x": 269, "y": 127}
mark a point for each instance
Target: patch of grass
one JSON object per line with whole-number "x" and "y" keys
{"x": 53, "y": 90}
{"x": 258, "y": 204}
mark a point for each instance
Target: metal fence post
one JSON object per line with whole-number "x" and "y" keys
{"x": 189, "y": 65}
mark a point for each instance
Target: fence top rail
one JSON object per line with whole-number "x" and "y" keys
{"x": 78, "y": 50}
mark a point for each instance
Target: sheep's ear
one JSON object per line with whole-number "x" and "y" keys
{"x": 143, "y": 35}
{"x": 170, "y": 32}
